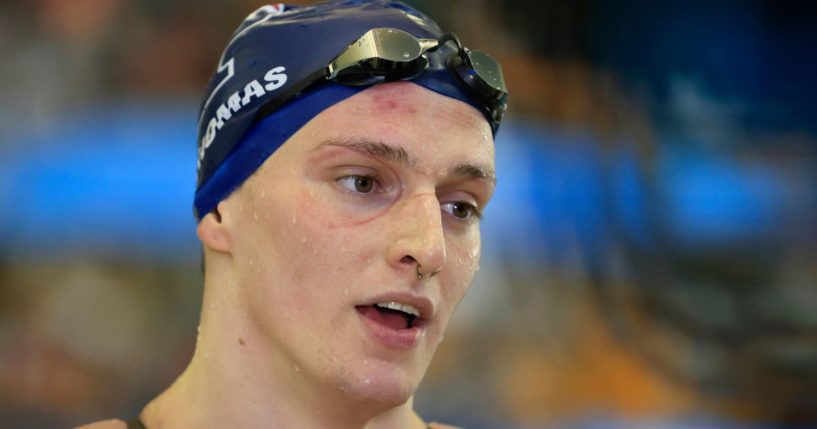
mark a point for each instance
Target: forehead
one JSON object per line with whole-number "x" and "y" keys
{"x": 407, "y": 115}
{"x": 410, "y": 101}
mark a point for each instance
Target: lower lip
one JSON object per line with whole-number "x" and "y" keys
{"x": 396, "y": 338}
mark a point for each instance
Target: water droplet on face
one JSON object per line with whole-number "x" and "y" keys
{"x": 296, "y": 368}
{"x": 255, "y": 215}
{"x": 346, "y": 292}
{"x": 263, "y": 193}
{"x": 303, "y": 239}
{"x": 294, "y": 219}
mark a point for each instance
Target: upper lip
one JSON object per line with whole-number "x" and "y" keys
{"x": 421, "y": 303}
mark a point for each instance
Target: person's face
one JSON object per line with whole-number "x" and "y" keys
{"x": 338, "y": 219}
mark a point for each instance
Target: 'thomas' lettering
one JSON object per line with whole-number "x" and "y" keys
{"x": 274, "y": 78}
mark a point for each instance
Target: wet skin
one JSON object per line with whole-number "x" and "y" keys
{"x": 336, "y": 220}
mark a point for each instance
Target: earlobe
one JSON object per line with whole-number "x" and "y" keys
{"x": 213, "y": 232}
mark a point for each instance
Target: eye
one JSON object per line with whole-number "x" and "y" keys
{"x": 462, "y": 210}
{"x": 358, "y": 183}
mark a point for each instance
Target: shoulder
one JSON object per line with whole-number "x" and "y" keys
{"x": 106, "y": 424}
{"x": 433, "y": 425}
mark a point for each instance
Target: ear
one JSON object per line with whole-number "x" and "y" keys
{"x": 213, "y": 233}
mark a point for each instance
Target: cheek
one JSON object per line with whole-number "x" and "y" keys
{"x": 314, "y": 250}
{"x": 279, "y": 245}
{"x": 463, "y": 263}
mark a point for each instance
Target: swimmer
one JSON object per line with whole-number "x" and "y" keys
{"x": 346, "y": 153}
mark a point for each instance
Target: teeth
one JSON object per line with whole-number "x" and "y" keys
{"x": 405, "y": 308}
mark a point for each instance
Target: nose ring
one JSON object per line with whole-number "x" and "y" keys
{"x": 421, "y": 276}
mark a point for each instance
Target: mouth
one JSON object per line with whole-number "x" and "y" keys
{"x": 395, "y": 322}
{"x": 394, "y": 315}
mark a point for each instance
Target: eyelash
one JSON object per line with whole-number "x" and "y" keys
{"x": 473, "y": 210}
{"x": 353, "y": 190}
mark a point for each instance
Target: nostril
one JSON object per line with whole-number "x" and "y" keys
{"x": 408, "y": 259}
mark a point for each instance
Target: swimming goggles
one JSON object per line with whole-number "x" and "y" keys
{"x": 389, "y": 54}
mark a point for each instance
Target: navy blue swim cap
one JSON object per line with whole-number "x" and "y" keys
{"x": 275, "y": 48}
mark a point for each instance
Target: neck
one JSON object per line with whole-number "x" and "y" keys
{"x": 236, "y": 380}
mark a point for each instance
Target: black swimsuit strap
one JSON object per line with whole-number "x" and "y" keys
{"x": 135, "y": 424}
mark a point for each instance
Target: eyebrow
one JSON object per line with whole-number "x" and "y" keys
{"x": 373, "y": 148}
{"x": 400, "y": 156}
{"x": 474, "y": 172}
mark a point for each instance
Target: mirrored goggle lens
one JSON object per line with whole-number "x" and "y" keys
{"x": 382, "y": 52}
{"x": 488, "y": 69}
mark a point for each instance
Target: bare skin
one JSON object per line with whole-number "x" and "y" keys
{"x": 335, "y": 220}
{"x": 119, "y": 424}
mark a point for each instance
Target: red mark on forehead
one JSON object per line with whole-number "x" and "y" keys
{"x": 408, "y": 102}
{"x": 387, "y": 102}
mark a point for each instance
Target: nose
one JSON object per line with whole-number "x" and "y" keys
{"x": 419, "y": 237}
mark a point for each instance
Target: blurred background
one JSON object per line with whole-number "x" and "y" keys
{"x": 649, "y": 260}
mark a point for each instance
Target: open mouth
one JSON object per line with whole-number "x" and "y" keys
{"x": 392, "y": 314}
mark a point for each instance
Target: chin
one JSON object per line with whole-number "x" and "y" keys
{"x": 383, "y": 388}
